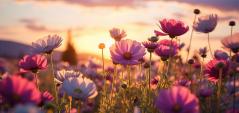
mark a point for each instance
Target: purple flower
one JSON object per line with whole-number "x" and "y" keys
{"x": 127, "y": 52}
{"x": 212, "y": 69}
{"x": 203, "y": 52}
{"x": 64, "y": 74}
{"x": 172, "y": 28}
{"x": 16, "y": 89}
{"x": 33, "y": 63}
{"x": 231, "y": 43}
{"x": 206, "y": 23}
{"x": 177, "y": 99}
{"x": 167, "y": 48}
{"x": 220, "y": 55}
{"x": 151, "y": 46}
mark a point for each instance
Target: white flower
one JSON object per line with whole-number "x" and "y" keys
{"x": 46, "y": 44}
{"x": 231, "y": 42}
{"x": 80, "y": 88}
{"x": 206, "y": 24}
{"x": 117, "y": 34}
{"x": 64, "y": 74}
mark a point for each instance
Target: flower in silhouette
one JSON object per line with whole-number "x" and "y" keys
{"x": 18, "y": 90}
{"x": 46, "y": 44}
{"x": 80, "y": 88}
{"x": 172, "y": 28}
{"x": 117, "y": 34}
{"x": 127, "y": 52}
{"x": 33, "y": 63}
{"x": 167, "y": 48}
{"x": 177, "y": 99}
{"x": 206, "y": 24}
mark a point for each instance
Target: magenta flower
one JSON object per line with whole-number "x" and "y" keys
{"x": 47, "y": 97}
{"x": 212, "y": 69}
{"x": 16, "y": 90}
{"x": 220, "y": 55}
{"x": 172, "y": 28}
{"x": 167, "y": 48}
{"x": 151, "y": 46}
{"x": 127, "y": 52}
{"x": 117, "y": 34}
{"x": 231, "y": 43}
{"x": 33, "y": 63}
{"x": 177, "y": 99}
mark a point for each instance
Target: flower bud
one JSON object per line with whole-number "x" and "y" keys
{"x": 196, "y": 11}
{"x": 101, "y": 46}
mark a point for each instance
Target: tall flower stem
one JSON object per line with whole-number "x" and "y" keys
{"x": 170, "y": 55}
{"x": 53, "y": 76}
{"x": 191, "y": 36}
{"x": 150, "y": 60}
{"x": 129, "y": 76}
{"x": 219, "y": 90}
{"x": 103, "y": 62}
{"x": 70, "y": 103}
{"x": 113, "y": 82}
{"x": 234, "y": 80}
{"x": 209, "y": 45}
{"x": 36, "y": 80}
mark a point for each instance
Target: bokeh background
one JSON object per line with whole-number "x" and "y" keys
{"x": 87, "y": 22}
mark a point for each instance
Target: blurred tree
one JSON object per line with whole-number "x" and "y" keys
{"x": 69, "y": 55}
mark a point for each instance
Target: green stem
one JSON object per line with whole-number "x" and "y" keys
{"x": 53, "y": 76}
{"x": 128, "y": 71}
{"x": 36, "y": 80}
{"x": 103, "y": 62}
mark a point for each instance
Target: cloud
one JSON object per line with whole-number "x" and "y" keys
{"x": 33, "y": 25}
{"x": 93, "y": 3}
{"x": 229, "y": 5}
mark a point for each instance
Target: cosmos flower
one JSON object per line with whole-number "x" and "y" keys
{"x": 231, "y": 43}
{"x": 167, "y": 48}
{"x": 212, "y": 69}
{"x": 47, "y": 97}
{"x": 172, "y": 28}
{"x": 177, "y": 99}
{"x": 205, "y": 90}
{"x": 117, "y": 34}
{"x": 16, "y": 90}
{"x": 33, "y": 63}
{"x": 151, "y": 46}
{"x": 46, "y": 44}
{"x": 61, "y": 75}
{"x": 127, "y": 52}
{"x": 206, "y": 23}
{"x": 220, "y": 55}
{"x": 80, "y": 88}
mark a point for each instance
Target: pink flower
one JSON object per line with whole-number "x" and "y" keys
{"x": 231, "y": 43}
{"x": 172, "y": 28}
{"x": 127, "y": 52}
{"x": 167, "y": 48}
{"x": 33, "y": 63}
{"x": 16, "y": 90}
{"x": 117, "y": 34}
{"x": 212, "y": 69}
{"x": 206, "y": 24}
{"x": 47, "y": 97}
{"x": 177, "y": 99}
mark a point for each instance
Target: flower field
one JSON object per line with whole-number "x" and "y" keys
{"x": 141, "y": 77}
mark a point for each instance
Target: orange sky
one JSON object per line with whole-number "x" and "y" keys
{"x": 27, "y": 20}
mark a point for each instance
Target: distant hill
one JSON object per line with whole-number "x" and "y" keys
{"x": 13, "y": 50}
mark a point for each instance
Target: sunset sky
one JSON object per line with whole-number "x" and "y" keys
{"x": 27, "y": 20}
